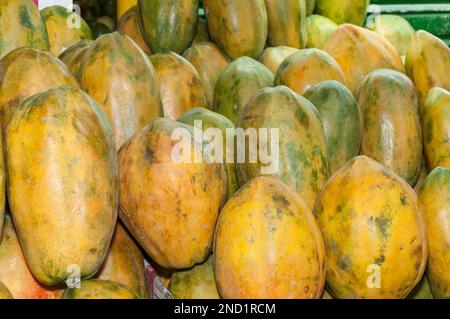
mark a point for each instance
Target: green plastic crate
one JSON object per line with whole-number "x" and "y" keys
{"x": 432, "y": 16}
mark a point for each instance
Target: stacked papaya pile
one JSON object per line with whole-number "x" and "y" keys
{"x": 360, "y": 204}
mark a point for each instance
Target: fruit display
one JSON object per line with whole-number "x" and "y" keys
{"x": 222, "y": 149}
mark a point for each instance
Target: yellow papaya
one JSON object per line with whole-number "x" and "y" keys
{"x": 130, "y": 25}
{"x": 343, "y": 11}
{"x": 273, "y": 57}
{"x": 73, "y": 56}
{"x": 4, "y": 292}
{"x": 100, "y": 289}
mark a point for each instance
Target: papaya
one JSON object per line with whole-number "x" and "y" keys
{"x": 65, "y": 28}
{"x": 121, "y": 78}
{"x": 238, "y": 27}
{"x": 73, "y": 56}
{"x": 319, "y": 30}
{"x": 22, "y": 75}
{"x": 100, "y": 289}
{"x": 422, "y": 176}
{"x": 310, "y": 6}
{"x": 435, "y": 198}
{"x": 394, "y": 28}
{"x": 287, "y": 23}
{"x": 168, "y": 26}
{"x": 237, "y": 84}
{"x": 343, "y": 11}
{"x": 170, "y": 202}
{"x": 180, "y": 85}
{"x": 273, "y": 57}
{"x": 69, "y": 153}
{"x": 427, "y": 62}
{"x": 21, "y": 25}
{"x": 195, "y": 283}
{"x": 422, "y": 290}
{"x": 214, "y": 120}
{"x": 274, "y": 251}
{"x": 4, "y": 292}
{"x": 14, "y": 272}
{"x": 130, "y": 24}
{"x": 374, "y": 231}
{"x": 360, "y": 51}
{"x": 2, "y": 187}
{"x": 209, "y": 61}
{"x": 122, "y": 6}
{"x": 392, "y": 134}
{"x": 341, "y": 119}
{"x": 436, "y": 128}
{"x": 302, "y": 156}
{"x": 202, "y": 33}
{"x": 303, "y": 69}
{"x": 125, "y": 263}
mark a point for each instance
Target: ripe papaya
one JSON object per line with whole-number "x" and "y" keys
{"x": 302, "y": 159}
{"x": 238, "y": 27}
{"x": 14, "y": 272}
{"x": 121, "y": 78}
{"x": 436, "y": 128}
{"x": 209, "y": 61}
{"x": 275, "y": 251}
{"x": 394, "y": 28}
{"x": 273, "y": 57}
{"x": 169, "y": 204}
{"x": 100, "y": 289}
{"x": 427, "y": 63}
{"x": 22, "y": 75}
{"x": 73, "y": 56}
{"x": 319, "y": 30}
{"x": 21, "y": 25}
{"x": 4, "y": 292}
{"x": 392, "y": 134}
{"x": 214, "y": 120}
{"x": 237, "y": 84}
{"x": 66, "y": 169}
{"x": 195, "y": 283}
{"x": 343, "y": 11}
{"x": 130, "y": 24}
{"x": 202, "y": 34}
{"x": 65, "y": 28}
{"x": 360, "y": 51}
{"x": 168, "y": 25}
{"x": 287, "y": 23}
{"x": 374, "y": 231}
{"x": 303, "y": 69}
{"x": 125, "y": 263}
{"x": 341, "y": 119}
{"x": 435, "y": 198}
{"x": 180, "y": 85}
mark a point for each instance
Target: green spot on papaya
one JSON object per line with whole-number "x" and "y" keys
{"x": 383, "y": 225}
{"x": 25, "y": 19}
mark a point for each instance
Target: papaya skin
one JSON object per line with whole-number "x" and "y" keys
{"x": 273, "y": 57}
{"x": 359, "y": 51}
{"x": 371, "y": 219}
{"x": 170, "y": 207}
{"x": 275, "y": 251}
{"x": 2, "y": 187}
{"x": 427, "y": 61}
{"x": 435, "y": 198}
{"x": 436, "y": 128}
{"x": 130, "y": 25}
{"x": 287, "y": 23}
{"x": 180, "y": 84}
{"x": 125, "y": 263}
{"x": 301, "y": 70}
{"x": 21, "y": 25}
{"x": 422, "y": 176}
{"x": 4, "y": 292}
{"x": 121, "y": 78}
{"x": 303, "y": 152}
{"x": 343, "y": 11}
{"x": 14, "y": 272}
{"x": 73, "y": 56}
{"x": 60, "y": 35}
{"x": 21, "y": 76}
{"x": 319, "y": 30}
{"x": 209, "y": 61}
{"x": 79, "y": 202}
{"x": 392, "y": 134}
{"x": 238, "y": 27}
{"x": 168, "y": 26}
{"x": 100, "y": 289}
{"x": 202, "y": 34}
